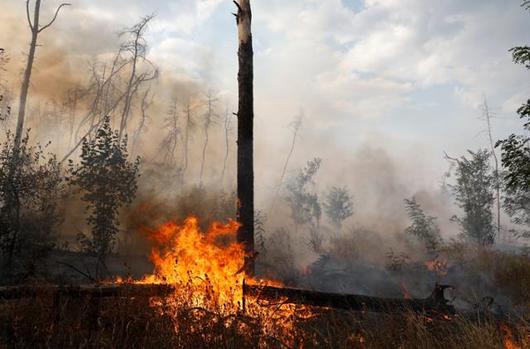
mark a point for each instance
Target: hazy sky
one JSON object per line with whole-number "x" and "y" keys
{"x": 404, "y": 75}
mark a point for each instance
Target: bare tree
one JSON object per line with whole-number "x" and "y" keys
{"x": 105, "y": 100}
{"x": 487, "y": 116}
{"x": 73, "y": 98}
{"x": 108, "y": 90}
{"x": 146, "y": 103}
{"x": 296, "y": 126}
{"x": 188, "y": 127}
{"x": 137, "y": 48}
{"x": 36, "y": 29}
{"x": 245, "y": 149}
{"x": 209, "y": 119}
{"x": 228, "y": 129}
{"x": 169, "y": 144}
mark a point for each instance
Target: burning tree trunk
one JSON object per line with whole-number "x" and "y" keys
{"x": 245, "y": 152}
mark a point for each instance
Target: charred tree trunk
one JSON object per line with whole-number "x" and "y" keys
{"x": 245, "y": 151}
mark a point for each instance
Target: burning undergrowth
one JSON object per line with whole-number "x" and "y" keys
{"x": 206, "y": 271}
{"x": 206, "y": 307}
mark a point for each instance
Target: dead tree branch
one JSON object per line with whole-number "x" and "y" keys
{"x": 54, "y": 17}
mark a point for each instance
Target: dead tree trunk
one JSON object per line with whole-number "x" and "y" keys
{"x": 24, "y": 90}
{"x": 245, "y": 151}
{"x": 227, "y": 124}
{"x": 436, "y": 302}
{"x": 487, "y": 116}
{"x": 208, "y": 120}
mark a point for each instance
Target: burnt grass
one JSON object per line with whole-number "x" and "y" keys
{"x": 48, "y": 322}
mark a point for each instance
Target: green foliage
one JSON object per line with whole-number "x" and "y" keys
{"x": 422, "y": 227}
{"x": 338, "y": 205}
{"x": 474, "y": 194}
{"x": 521, "y": 55}
{"x": 516, "y": 156}
{"x": 30, "y": 187}
{"x": 108, "y": 181}
{"x": 305, "y": 205}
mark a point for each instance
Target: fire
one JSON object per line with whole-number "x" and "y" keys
{"x": 209, "y": 266}
{"x": 437, "y": 265}
{"x": 207, "y": 272}
{"x": 508, "y": 340}
{"x": 404, "y": 291}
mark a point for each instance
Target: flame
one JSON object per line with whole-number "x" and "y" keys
{"x": 208, "y": 266}
{"x": 404, "y": 291}
{"x": 508, "y": 338}
{"x": 438, "y": 266}
{"x": 207, "y": 270}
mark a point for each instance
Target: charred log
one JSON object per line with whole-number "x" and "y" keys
{"x": 436, "y": 302}
{"x": 90, "y": 291}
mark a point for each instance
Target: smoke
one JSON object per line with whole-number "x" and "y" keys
{"x": 379, "y": 173}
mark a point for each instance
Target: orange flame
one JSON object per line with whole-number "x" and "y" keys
{"x": 207, "y": 270}
{"x": 508, "y": 340}
{"x": 208, "y": 265}
{"x": 438, "y": 266}
{"x": 404, "y": 291}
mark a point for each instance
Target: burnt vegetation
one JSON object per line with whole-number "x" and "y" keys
{"x": 74, "y": 210}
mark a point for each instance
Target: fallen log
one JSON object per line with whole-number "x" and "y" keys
{"x": 435, "y": 303}
{"x": 94, "y": 291}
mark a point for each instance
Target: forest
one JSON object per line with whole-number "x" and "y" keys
{"x": 134, "y": 211}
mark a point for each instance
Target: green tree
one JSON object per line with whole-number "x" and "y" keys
{"x": 30, "y": 188}
{"x": 474, "y": 194}
{"x": 108, "y": 181}
{"x": 338, "y": 206}
{"x": 422, "y": 226}
{"x": 516, "y": 156}
{"x": 304, "y": 204}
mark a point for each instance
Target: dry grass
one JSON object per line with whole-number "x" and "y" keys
{"x": 126, "y": 323}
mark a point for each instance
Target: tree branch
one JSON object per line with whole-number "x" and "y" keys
{"x": 239, "y": 11}
{"x": 54, "y": 17}
{"x": 27, "y": 14}
{"x": 450, "y": 158}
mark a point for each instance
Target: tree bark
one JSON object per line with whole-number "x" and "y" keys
{"x": 245, "y": 152}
